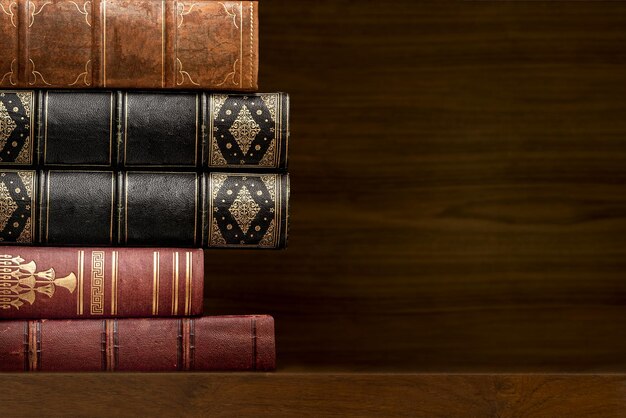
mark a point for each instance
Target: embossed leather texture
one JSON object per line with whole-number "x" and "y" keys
{"x": 92, "y": 282}
{"x": 227, "y": 343}
{"x": 141, "y": 208}
{"x": 115, "y": 129}
{"x": 172, "y": 44}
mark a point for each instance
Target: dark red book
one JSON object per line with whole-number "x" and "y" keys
{"x": 88, "y": 282}
{"x": 227, "y": 343}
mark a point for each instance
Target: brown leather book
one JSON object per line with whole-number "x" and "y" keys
{"x": 199, "y": 44}
{"x": 52, "y": 282}
{"x": 229, "y": 343}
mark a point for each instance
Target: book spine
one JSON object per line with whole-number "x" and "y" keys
{"x": 143, "y": 208}
{"x": 37, "y": 282}
{"x": 148, "y": 130}
{"x": 236, "y": 343}
{"x": 165, "y": 44}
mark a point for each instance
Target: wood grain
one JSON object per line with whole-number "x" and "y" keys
{"x": 458, "y": 188}
{"x": 314, "y": 395}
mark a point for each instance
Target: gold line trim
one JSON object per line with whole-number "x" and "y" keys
{"x": 187, "y": 283}
{"x": 47, "y": 202}
{"x": 175, "y": 284}
{"x": 251, "y": 39}
{"x": 126, "y": 206}
{"x": 33, "y": 211}
{"x": 155, "y": 282}
{"x": 240, "y": 43}
{"x": 112, "y": 206}
{"x": 195, "y": 213}
{"x": 114, "y": 278}
{"x": 197, "y": 117}
{"x": 163, "y": 43}
{"x": 111, "y": 131}
{"x": 81, "y": 279}
{"x": 45, "y": 132}
{"x": 125, "y": 124}
{"x": 210, "y": 217}
{"x": 104, "y": 43}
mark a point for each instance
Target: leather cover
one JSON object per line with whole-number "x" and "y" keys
{"x": 166, "y": 44}
{"x": 143, "y": 208}
{"x": 81, "y": 282}
{"x": 228, "y": 343}
{"x": 158, "y": 129}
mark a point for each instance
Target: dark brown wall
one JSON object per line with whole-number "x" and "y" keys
{"x": 458, "y": 187}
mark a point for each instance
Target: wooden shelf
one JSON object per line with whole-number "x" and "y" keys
{"x": 312, "y": 395}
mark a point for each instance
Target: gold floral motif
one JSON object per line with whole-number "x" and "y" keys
{"x": 26, "y": 236}
{"x": 36, "y": 73}
{"x": 244, "y": 209}
{"x": 268, "y": 238}
{"x": 181, "y": 13}
{"x": 216, "y": 235}
{"x": 217, "y": 159}
{"x": 9, "y": 12}
{"x": 83, "y": 75}
{"x": 7, "y": 125}
{"x": 270, "y": 101}
{"x": 24, "y": 156}
{"x": 269, "y": 156}
{"x": 26, "y": 97}
{"x": 84, "y": 10}
{"x": 182, "y": 73}
{"x": 20, "y": 282}
{"x": 34, "y": 12}
{"x": 218, "y": 102}
{"x": 7, "y": 206}
{"x": 217, "y": 181}
{"x": 231, "y": 74}
{"x": 270, "y": 182}
{"x": 10, "y": 74}
{"x": 27, "y": 178}
{"x": 244, "y": 129}
{"x": 232, "y": 13}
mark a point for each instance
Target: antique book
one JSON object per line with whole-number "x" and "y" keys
{"x": 165, "y": 44}
{"x": 143, "y": 208}
{"x": 149, "y": 129}
{"x": 227, "y": 343}
{"x": 79, "y": 282}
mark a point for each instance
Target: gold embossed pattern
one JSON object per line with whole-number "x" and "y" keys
{"x": 245, "y": 210}
{"x": 17, "y": 196}
{"x": 16, "y": 127}
{"x": 20, "y": 282}
{"x": 246, "y": 131}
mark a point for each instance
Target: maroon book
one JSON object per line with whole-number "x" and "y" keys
{"x": 218, "y": 343}
{"x": 88, "y": 282}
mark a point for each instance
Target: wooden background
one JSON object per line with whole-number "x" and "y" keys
{"x": 458, "y": 188}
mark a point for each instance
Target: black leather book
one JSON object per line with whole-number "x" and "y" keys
{"x": 144, "y": 130}
{"x": 143, "y": 208}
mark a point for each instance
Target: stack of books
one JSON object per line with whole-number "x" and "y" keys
{"x": 131, "y": 138}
